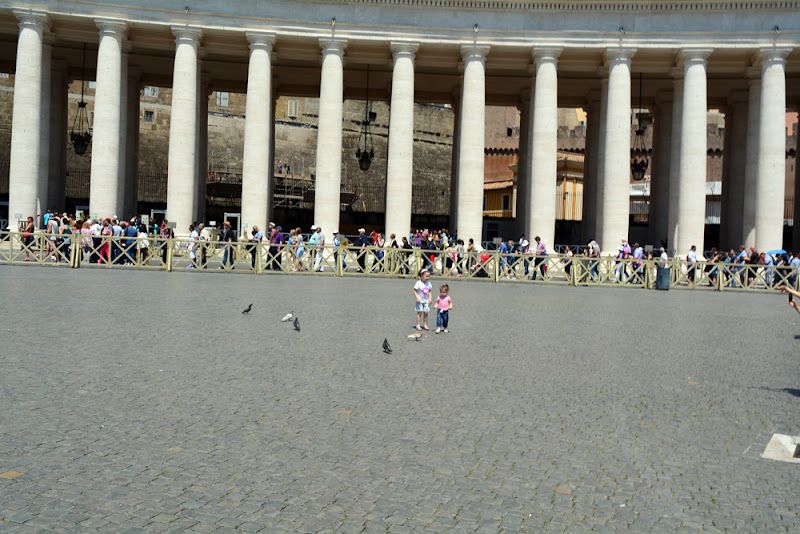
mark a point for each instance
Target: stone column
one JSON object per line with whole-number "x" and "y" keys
{"x": 59, "y": 100}
{"x": 601, "y": 157}
{"x": 400, "y": 165}
{"x": 523, "y": 167}
{"x": 796, "y": 212}
{"x": 183, "y": 131}
{"x": 201, "y": 161}
{"x": 658, "y": 226}
{"x": 105, "y": 192}
{"x": 454, "y": 155}
{"x": 733, "y": 171}
{"x": 271, "y": 179}
{"x": 123, "y": 130}
{"x": 692, "y": 181}
{"x": 257, "y": 167}
{"x": 615, "y": 208}
{"x": 471, "y": 151}
{"x": 675, "y": 159}
{"x": 130, "y": 195}
{"x": 544, "y": 147}
{"x": 44, "y": 130}
{"x": 329, "y": 136}
{"x": 26, "y": 147}
{"x": 751, "y": 162}
{"x": 590, "y": 167}
{"x": 770, "y": 187}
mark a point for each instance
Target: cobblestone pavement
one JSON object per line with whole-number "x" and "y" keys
{"x": 146, "y": 402}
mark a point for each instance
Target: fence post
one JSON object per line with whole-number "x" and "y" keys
{"x": 11, "y": 246}
{"x": 170, "y": 245}
{"x": 720, "y": 277}
{"x": 73, "y": 252}
{"x": 496, "y": 270}
{"x": 257, "y": 252}
{"x": 338, "y": 256}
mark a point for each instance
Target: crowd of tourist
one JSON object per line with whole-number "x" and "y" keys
{"x": 293, "y": 250}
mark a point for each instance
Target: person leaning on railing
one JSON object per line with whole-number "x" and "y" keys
{"x": 27, "y": 239}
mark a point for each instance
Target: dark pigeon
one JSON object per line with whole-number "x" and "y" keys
{"x": 386, "y": 348}
{"x": 296, "y": 324}
{"x": 247, "y": 310}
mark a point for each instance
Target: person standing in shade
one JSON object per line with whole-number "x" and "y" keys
{"x": 362, "y": 242}
{"x": 320, "y": 244}
{"x": 203, "y": 237}
{"x": 258, "y": 236}
{"x": 691, "y": 258}
{"x": 541, "y": 258}
{"x": 227, "y": 237}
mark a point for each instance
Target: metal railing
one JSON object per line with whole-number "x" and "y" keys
{"x": 185, "y": 254}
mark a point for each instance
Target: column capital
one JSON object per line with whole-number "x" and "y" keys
{"x": 613, "y": 56}
{"x": 404, "y": 49}
{"x": 543, "y": 54}
{"x": 261, "y": 40}
{"x": 111, "y": 27}
{"x": 691, "y": 56}
{"x": 48, "y": 38}
{"x": 474, "y": 52}
{"x": 38, "y": 20}
{"x": 187, "y": 34}
{"x": 332, "y": 45}
{"x": 772, "y": 55}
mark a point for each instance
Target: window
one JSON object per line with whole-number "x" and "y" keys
{"x": 3, "y": 75}
{"x": 291, "y": 110}
{"x": 148, "y": 116}
{"x": 92, "y": 85}
{"x": 506, "y": 202}
{"x": 150, "y": 91}
{"x": 485, "y": 203}
{"x": 222, "y": 98}
{"x": 509, "y": 132}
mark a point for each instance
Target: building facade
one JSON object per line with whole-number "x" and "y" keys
{"x": 742, "y": 57}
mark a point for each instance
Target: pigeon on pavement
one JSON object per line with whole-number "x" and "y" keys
{"x": 296, "y": 324}
{"x": 247, "y": 310}
{"x": 386, "y": 348}
{"x": 415, "y": 337}
{"x": 287, "y": 317}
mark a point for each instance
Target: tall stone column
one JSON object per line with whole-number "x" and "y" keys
{"x": 796, "y": 212}
{"x": 257, "y": 167}
{"x": 471, "y": 151}
{"x": 59, "y": 99}
{"x": 675, "y": 159}
{"x": 615, "y": 208}
{"x": 733, "y": 175}
{"x": 751, "y": 162}
{"x": 770, "y": 187}
{"x": 590, "y": 167}
{"x": 26, "y": 147}
{"x": 130, "y": 195}
{"x": 692, "y": 181}
{"x": 659, "y": 169}
{"x": 601, "y": 157}
{"x": 271, "y": 179}
{"x": 329, "y": 136}
{"x": 105, "y": 191}
{"x": 201, "y": 160}
{"x": 44, "y": 130}
{"x": 183, "y": 131}
{"x": 454, "y": 155}
{"x": 523, "y": 167}
{"x": 544, "y": 147}
{"x": 400, "y": 165}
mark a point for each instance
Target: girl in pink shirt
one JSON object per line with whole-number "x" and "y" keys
{"x": 443, "y": 304}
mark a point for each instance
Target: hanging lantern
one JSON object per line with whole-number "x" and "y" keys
{"x": 365, "y": 151}
{"x": 639, "y": 158}
{"x": 79, "y": 135}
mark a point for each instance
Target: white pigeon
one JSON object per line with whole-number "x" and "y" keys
{"x": 415, "y": 337}
{"x": 288, "y": 317}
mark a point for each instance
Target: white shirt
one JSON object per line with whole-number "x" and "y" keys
{"x": 692, "y": 256}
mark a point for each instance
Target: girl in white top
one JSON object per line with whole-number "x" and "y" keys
{"x": 424, "y": 297}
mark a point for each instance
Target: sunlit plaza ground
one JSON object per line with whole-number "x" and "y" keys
{"x": 146, "y": 402}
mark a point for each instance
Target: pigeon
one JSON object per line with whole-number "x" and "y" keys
{"x": 296, "y": 324}
{"x": 415, "y": 337}
{"x": 247, "y": 310}
{"x": 287, "y": 317}
{"x": 386, "y": 348}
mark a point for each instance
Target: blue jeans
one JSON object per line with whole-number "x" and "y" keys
{"x": 227, "y": 255}
{"x": 442, "y": 318}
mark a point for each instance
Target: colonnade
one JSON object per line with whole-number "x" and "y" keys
{"x": 754, "y": 155}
